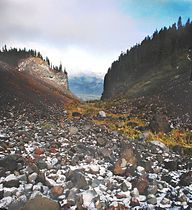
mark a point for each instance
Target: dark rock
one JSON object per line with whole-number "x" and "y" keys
{"x": 11, "y": 183}
{"x": 142, "y": 184}
{"x": 186, "y": 179}
{"x": 76, "y": 114}
{"x": 178, "y": 149}
{"x": 2, "y": 171}
{"x": 132, "y": 124}
{"x": 130, "y": 171}
{"x": 170, "y": 164}
{"x": 160, "y": 123}
{"x": 41, "y": 203}
{"x": 101, "y": 142}
{"x": 1, "y": 194}
{"x": 72, "y": 197}
{"x": 78, "y": 180}
{"x": 9, "y": 162}
{"x": 41, "y": 164}
{"x": 147, "y": 164}
{"x": 167, "y": 178}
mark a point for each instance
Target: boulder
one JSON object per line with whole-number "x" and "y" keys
{"x": 9, "y": 162}
{"x": 142, "y": 184}
{"x": 41, "y": 203}
{"x": 78, "y": 180}
{"x": 186, "y": 179}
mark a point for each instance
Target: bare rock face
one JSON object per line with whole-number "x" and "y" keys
{"x": 39, "y": 68}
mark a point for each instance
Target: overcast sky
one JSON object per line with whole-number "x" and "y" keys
{"x": 85, "y": 35}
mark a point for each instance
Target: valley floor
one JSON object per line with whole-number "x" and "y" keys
{"x": 90, "y": 157}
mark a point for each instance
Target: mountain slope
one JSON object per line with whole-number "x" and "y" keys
{"x": 33, "y": 84}
{"x": 159, "y": 69}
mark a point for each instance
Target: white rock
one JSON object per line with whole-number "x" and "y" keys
{"x": 123, "y": 163}
{"x": 165, "y": 203}
{"x": 10, "y": 178}
{"x": 140, "y": 169}
{"x": 94, "y": 168}
{"x": 152, "y": 176}
{"x": 54, "y": 161}
{"x": 161, "y": 145}
{"x": 73, "y": 130}
{"x": 102, "y": 114}
{"x": 128, "y": 194}
{"x": 128, "y": 184}
{"x": 23, "y": 198}
{"x": 32, "y": 177}
{"x": 6, "y": 202}
{"x": 20, "y": 190}
{"x": 37, "y": 187}
{"x": 51, "y": 182}
{"x": 142, "y": 198}
{"x": 135, "y": 192}
{"x": 88, "y": 197}
{"x": 34, "y": 194}
{"x": 61, "y": 179}
{"x": 28, "y": 187}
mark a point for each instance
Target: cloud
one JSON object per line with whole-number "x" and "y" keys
{"x": 86, "y": 23}
{"x": 85, "y": 35}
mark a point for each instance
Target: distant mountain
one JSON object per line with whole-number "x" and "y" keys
{"x": 86, "y": 87}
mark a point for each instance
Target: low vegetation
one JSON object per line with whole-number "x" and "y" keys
{"x": 133, "y": 127}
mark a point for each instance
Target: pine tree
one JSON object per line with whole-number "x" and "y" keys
{"x": 179, "y": 23}
{"x": 60, "y": 67}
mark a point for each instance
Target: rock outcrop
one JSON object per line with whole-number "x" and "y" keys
{"x": 33, "y": 83}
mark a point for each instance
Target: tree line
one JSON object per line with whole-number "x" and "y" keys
{"x": 14, "y": 55}
{"x": 164, "y": 44}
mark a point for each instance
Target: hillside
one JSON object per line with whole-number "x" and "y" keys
{"x": 158, "y": 69}
{"x": 86, "y": 87}
{"x": 29, "y": 82}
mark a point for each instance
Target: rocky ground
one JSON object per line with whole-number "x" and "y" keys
{"x": 59, "y": 164}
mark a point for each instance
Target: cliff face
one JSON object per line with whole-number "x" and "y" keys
{"x": 38, "y": 68}
{"x": 32, "y": 82}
